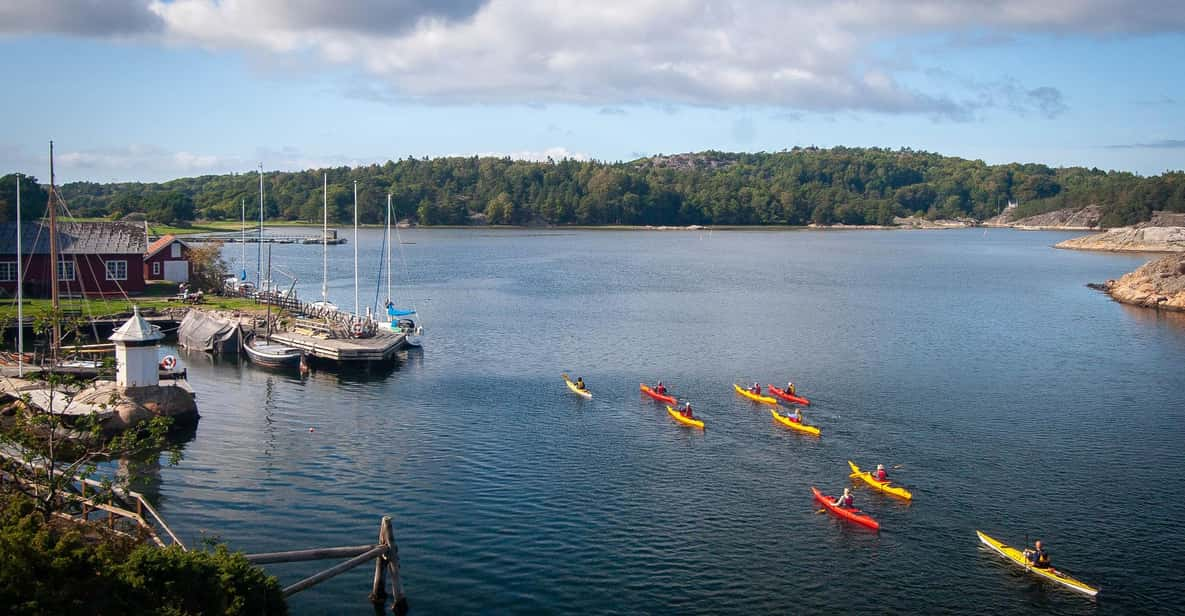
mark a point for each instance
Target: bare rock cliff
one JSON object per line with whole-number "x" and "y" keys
{"x": 1157, "y": 284}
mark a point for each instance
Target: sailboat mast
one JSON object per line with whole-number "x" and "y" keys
{"x": 388, "y": 247}
{"x": 53, "y": 259}
{"x": 325, "y": 238}
{"x": 356, "y": 305}
{"x": 269, "y": 297}
{"x": 243, "y": 235}
{"x": 20, "y": 291}
{"x": 259, "y": 249}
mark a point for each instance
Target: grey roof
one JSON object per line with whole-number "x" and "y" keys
{"x": 136, "y": 329}
{"x": 75, "y": 238}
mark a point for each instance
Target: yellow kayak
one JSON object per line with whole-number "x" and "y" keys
{"x": 695, "y": 423}
{"x": 576, "y": 390}
{"x": 752, "y": 396}
{"x": 1051, "y": 574}
{"x": 790, "y": 423}
{"x": 882, "y": 486}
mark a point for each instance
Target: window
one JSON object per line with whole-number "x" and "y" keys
{"x": 117, "y": 270}
{"x": 176, "y": 250}
{"x": 156, "y": 268}
{"x": 65, "y": 270}
{"x": 7, "y": 271}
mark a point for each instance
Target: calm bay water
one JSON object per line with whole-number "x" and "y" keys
{"x": 1018, "y": 402}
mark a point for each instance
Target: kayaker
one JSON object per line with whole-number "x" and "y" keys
{"x": 686, "y": 410}
{"x": 660, "y": 389}
{"x": 880, "y": 474}
{"x": 845, "y": 500}
{"x": 1037, "y": 556}
{"x": 580, "y": 383}
{"x": 790, "y": 388}
{"x": 755, "y": 389}
{"x": 795, "y": 416}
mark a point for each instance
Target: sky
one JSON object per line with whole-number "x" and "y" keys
{"x": 136, "y": 90}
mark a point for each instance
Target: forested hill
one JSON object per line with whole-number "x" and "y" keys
{"x": 799, "y": 186}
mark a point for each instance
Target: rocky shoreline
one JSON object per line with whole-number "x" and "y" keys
{"x": 1159, "y": 284}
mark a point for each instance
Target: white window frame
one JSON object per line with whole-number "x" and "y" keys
{"x": 107, "y": 266}
{"x": 175, "y": 250}
{"x": 66, "y": 267}
{"x": 156, "y": 268}
{"x": 7, "y": 271}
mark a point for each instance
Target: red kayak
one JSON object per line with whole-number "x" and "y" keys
{"x": 788, "y": 397}
{"x": 853, "y": 514}
{"x": 657, "y": 396}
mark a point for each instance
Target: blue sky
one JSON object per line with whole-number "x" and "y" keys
{"x": 138, "y": 90}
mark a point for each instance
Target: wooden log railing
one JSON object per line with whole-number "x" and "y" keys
{"x": 385, "y": 555}
{"x": 136, "y": 510}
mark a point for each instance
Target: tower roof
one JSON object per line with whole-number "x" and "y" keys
{"x": 136, "y": 330}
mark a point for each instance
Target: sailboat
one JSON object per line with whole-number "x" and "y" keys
{"x": 264, "y": 352}
{"x": 324, "y": 305}
{"x": 399, "y": 320}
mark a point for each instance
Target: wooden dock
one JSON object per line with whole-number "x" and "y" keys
{"x": 380, "y": 347}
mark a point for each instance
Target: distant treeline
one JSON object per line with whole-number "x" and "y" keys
{"x": 795, "y": 187}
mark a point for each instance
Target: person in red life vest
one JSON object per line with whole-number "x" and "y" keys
{"x": 845, "y": 500}
{"x": 755, "y": 389}
{"x": 795, "y": 416}
{"x": 686, "y": 410}
{"x": 880, "y": 474}
{"x": 660, "y": 389}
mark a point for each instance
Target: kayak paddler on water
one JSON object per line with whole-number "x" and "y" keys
{"x": 580, "y": 383}
{"x": 845, "y": 500}
{"x": 685, "y": 410}
{"x": 1037, "y": 556}
{"x": 755, "y": 389}
{"x": 660, "y": 389}
{"x": 795, "y": 416}
{"x": 880, "y": 474}
{"x": 790, "y": 388}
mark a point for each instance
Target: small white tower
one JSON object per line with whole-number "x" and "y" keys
{"x": 136, "y": 349}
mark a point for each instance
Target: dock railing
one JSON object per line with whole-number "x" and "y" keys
{"x": 135, "y": 514}
{"x": 385, "y": 555}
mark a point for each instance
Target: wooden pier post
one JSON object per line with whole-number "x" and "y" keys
{"x": 386, "y": 566}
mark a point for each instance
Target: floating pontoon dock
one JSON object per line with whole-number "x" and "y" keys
{"x": 381, "y": 347}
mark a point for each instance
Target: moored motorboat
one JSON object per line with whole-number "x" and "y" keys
{"x": 272, "y": 355}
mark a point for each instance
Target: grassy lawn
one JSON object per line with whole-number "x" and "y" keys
{"x": 93, "y": 307}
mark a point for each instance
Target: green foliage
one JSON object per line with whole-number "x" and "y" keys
{"x": 50, "y": 566}
{"x": 849, "y": 185}
{"x": 34, "y": 198}
{"x": 208, "y": 271}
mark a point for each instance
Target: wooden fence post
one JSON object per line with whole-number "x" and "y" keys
{"x": 378, "y": 595}
{"x": 392, "y": 561}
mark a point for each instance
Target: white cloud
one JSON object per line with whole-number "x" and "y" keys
{"x": 811, "y": 55}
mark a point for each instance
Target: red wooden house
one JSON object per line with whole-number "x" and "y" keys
{"x": 94, "y": 259}
{"x": 167, "y": 259}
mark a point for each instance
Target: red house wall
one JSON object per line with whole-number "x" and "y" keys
{"x": 161, "y": 257}
{"x": 90, "y": 276}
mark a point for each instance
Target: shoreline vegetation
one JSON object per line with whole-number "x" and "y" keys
{"x": 796, "y": 187}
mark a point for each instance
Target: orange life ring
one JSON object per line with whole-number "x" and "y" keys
{"x": 169, "y": 362}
